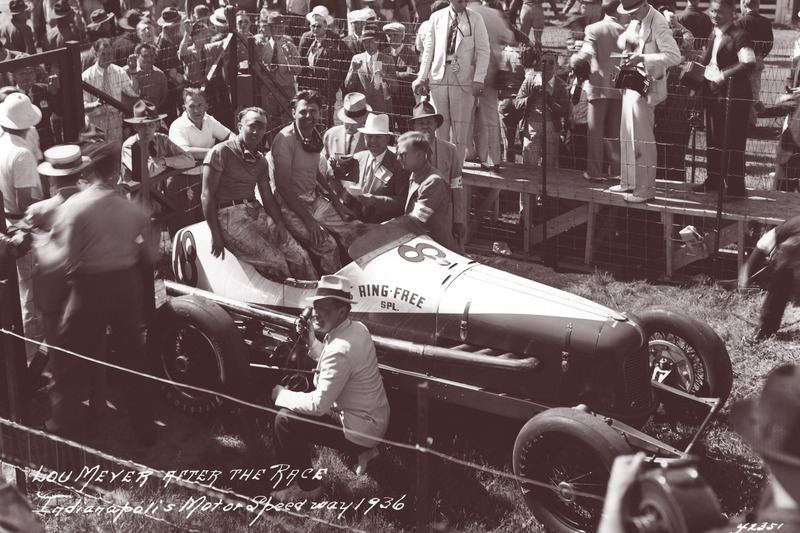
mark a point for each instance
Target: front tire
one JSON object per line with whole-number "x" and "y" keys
{"x": 569, "y": 453}
{"x": 191, "y": 340}
{"x": 688, "y": 355}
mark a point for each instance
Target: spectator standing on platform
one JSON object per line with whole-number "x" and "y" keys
{"x": 406, "y": 65}
{"x": 487, "y": 122}
{"x": 20, "y": 186}
{"x": 282, "y": 60}
{"x": 759, "y": 29}
{"x": 453, "y": 67}
{"x": 152, "y": 81}
{"x": 381, "y": 187}
{"x": 198, "y": 52}
{"x": 112, "y": 80}
{"x": 311, "y": 212}
{"x": 730, "y": 58}
{"x": 15, "y": 32}
{"x": 345, "y": 139}
{"x": 348, "y": 397}
{"x": 61, "y": 30}
{"x": 196, "y": 132}
{"x": 652, "y": 50}
{"x": 254, "y": 232}
{"x": 446, "y": 160}
{"x": 372, "y": 74}
{"x": 126, "y": 42}
{"x": 356, "y": 21}
{"x": 146, "y": 32}
{"x": 106, "y": 239}
{"x": 101, "y": 25}
{"x": 779, "y": 248}
{"x": 428, "y": 200}
{"x": 696, "y": 21}
{"x": 605, "y": 102}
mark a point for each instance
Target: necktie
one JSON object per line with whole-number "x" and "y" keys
{"x": 348, "y": 143}
{"x": 151, "y": 148}
{"x": 370, "y": 177}
{"x": 274, "y": 53}
{"x": 451, "y": 36}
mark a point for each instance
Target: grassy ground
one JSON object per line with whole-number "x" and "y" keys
{"x": 460, "y": 499}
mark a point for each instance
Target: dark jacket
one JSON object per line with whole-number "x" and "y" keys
{"x": 734, "y": 39}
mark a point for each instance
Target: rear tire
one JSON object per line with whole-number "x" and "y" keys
{"x": 569, "y": 451}
{"x": 191, "y": 340}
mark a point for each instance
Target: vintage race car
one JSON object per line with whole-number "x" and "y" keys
{"x": 479, "y": 336}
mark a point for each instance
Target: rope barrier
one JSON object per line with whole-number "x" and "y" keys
{"x": 410, "y": 447}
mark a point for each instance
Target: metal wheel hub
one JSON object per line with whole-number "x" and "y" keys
{"x": 667, "y": 359}
{"x": 566, "y": 492}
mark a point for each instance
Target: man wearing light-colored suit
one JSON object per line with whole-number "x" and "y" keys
{"x": 373, "y": 74}
{"x": 345, "y": 138}
{"x": 605, "y": 102}
{"x": 652, "y": 49}
{"x": 455, "y": 59}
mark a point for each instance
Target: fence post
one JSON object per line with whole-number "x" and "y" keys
{"x": 140, "y": 171}
{"x": 73, "y": 112}
{"x": 423, "y": 392}
{"x": 12, "y": 349}
{"x": 546, "y": 257}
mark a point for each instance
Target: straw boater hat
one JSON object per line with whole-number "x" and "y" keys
{"x": 218, "y": 18}
{"x": 98, "y": 18}
{"x": 63, "y": 160}
{"x": 144, "y": 112}
{"x": 15, "y": 7}
{"x": 358, "y": 15}
{"x": 354, "y": 109}
{"x": 130, "y": 19}
{"x": 771, "y": 425}
{"x": 320, "y": 11}
{"x": 169, "y": 17}
{"x": 333, "y": 287}
{"x": 376, "y": 125}
{"x": 394, "y": 26}
{"x": 425, "y": 109}
{"x": 18, "y": 113}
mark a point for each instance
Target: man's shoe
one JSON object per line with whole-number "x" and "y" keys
{"x": 619, "y": 188}
{"x": 587, "y": 177}
{"x": 363, "y": 460}
{"x": 490, "y": 168}
{"x": 633, "y": 199}
{"x": 294, "y": 493}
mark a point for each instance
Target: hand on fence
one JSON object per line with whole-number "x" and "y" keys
{"x": 477, "y": 89}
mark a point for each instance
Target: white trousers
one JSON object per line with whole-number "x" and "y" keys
{"x": 457, "y": 106}
{"x": 638, "y": 145}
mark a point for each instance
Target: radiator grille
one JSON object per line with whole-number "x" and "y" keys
{"x": 637, "y": 378}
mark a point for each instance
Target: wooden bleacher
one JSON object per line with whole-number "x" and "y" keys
{"x": 675, "y": 202}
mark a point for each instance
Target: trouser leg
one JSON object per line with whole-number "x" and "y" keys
{"x": 596, "y": 115}
{"x": 488, "y": 127}
{"x": 780, "y": 289}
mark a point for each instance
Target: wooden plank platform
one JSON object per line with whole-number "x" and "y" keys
{"x": 674, "y": 202}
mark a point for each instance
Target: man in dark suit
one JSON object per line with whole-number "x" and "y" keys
{"x": 382, "y": 187}
{"x": 730, "y": 58}
{"x": 406, "y": 66}
{"x": 605, "y": 102}
{"x": 696, "y": 21}
{"x": 759, "y": 29}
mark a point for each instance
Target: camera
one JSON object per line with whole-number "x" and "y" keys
{"x": 345, "y": 168}
{"x": 671, "y": 497}
{"x": 630, "y": 78}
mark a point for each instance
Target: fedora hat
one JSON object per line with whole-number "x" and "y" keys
{"x": 629, "y": 6}
{"x": 144, "y": 112}
{"x": 425, "y": 109}
{"x": 320, "y": 11}
{"x": 333, "y": 287}
{"x": 60, "y": 10}
{"x": 771, "y": 425}
{"x": 130, "y": 19}
{"x": 18, "y": 113}
{"x": 354, "y": 109}
{"x": 63, "y": 160}
{"x": 274, "y": 18}
{"x": 370, "y": 32}
{"x": 169, "y": 17}
{"x": 218, "y": 18}
{"x": 98, "y": 18}
{"x": 376, "y": 125}
{"x": 15, "y": 7}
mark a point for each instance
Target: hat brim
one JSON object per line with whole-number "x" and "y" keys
{"x": 742, "y": 417}
{"x": 95, "y": 25}
{"x": 47, "y": 169}
{"x": 123, "y": 23}
{"x": 161, "y": 22}
{"x": 311, "y": 16}
{"x": 217, "y": 22}
{"x": 350, "y": 120}
{"x": 6, "y": 121}
{"x": 145, "y": 120}
{"x": 312, "y": 299}
{"x": 19, "y": 11}
{"x": 55, "y": 16}
{"x": 374, "y": 132}
{"x": 438, "y": 116}
{"x": 630, "y": 10}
